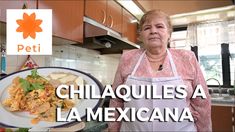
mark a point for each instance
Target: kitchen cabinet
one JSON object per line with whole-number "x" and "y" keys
{"x": 14, "y": 4}
{"x": 129, "y": 29}
{"x": 67, "y": 18}
{"x": 114, "y": 16}
{"x": 105, "y": 12}
{"x": 96, "y": 10}
{"x": 222, "y": 118}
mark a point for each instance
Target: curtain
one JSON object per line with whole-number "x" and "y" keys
{"x": 214, "y": 33}
{"x": 191, "y": 38}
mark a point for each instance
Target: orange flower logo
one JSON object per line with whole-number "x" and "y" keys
{"x": 29, "y": 25}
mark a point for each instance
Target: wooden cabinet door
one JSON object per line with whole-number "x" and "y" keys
{"x": 67, "y": 21}
{"x": 14, "y": 4}
{"x": 222, "y": 118}
{"x": 129, "y": 29}
{"x": 96, "y": 10}
{"x": 114, "y": 16}
{"x": 106, "y": 12}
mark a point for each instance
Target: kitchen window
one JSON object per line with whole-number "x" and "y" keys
{"x": 210, "y": 38}
{"x": 210, "y": 62}
{"x": 231, "y": 35}
{"x": 232, "y": 62}
{"x": 209, "y": 52}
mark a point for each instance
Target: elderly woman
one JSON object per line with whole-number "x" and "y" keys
{"x": 156, "y": 64}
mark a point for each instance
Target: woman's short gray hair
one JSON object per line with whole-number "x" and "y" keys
{"x": 157, "y": 13}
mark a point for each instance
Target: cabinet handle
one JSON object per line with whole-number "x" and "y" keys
{"x": 104, "y": 19}
{"x": 111, "y": 25}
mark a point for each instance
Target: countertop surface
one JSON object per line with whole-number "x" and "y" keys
{"x": 223, "y": 101}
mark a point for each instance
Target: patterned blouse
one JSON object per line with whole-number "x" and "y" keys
{"x": 187, "y": 67}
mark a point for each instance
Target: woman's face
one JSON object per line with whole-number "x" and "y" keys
{"x": 155, "y": 33}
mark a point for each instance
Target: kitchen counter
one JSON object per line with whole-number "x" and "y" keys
{"x": 223, "y": 101}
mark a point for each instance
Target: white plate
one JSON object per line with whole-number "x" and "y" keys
{"x": 23, "y": 119}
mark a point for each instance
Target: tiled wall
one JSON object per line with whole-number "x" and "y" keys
{"x": 15, "y": 62}
{"x": 102, "y": 67}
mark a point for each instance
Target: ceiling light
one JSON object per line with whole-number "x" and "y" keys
{"x": 134, "y": 21}
{"x": 131, "y": 7}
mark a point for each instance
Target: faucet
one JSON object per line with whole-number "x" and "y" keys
{"x": 218, "y": 83}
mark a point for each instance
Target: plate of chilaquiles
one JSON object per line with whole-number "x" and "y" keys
{"x": 28, "y": 97}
